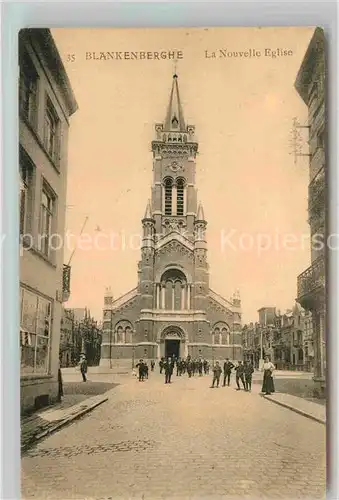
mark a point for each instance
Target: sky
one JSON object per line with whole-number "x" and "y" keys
{"x": 253, "y": 191}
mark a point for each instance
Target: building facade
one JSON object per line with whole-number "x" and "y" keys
{"x": 172, "y": 310}
{"x": 286, "y": 339}
{"x": 66, "y": 338}
{"x": 310, "y": 84}
{"x": 46, "y": 102}
{"x": 80, "y": 334}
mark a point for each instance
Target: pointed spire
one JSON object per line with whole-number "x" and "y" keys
{"x": 200, "y": 213}
{"x": 148, "y": 212}
{"x": 175, "y": 117}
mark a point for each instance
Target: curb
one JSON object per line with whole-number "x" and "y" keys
{"x": 62, "y": 423}
{"x": 296, "y": 410}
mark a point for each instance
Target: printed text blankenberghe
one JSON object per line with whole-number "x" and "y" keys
{"x": 134, "y": 55}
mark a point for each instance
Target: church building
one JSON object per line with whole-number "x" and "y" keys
{"x": 172, "y": 310}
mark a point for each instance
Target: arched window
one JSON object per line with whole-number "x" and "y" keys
{"x": 119, "y": 335}
{"x": 177, "y": 295}
{"x": 175, "y": 289}
{"x": 168, "y": 295}
{"x": 128, "y": 335}
{"x": 217, "y": 336}
{"x": 180, "y": 196}
{"x": 221, "y": 334}
{"x": 175, "y": 122}
{"x": 168, "y": 196}
{"x": 225, "y": 336}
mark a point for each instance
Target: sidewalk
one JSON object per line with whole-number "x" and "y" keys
{"x": 314, "y": 411}
{"x": 75, "y": 404}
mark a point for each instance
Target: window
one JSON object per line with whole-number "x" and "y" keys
{"x": 26, "y": 171}
{"x": 180, "y": 197}
{"x": 51, "y": 129}
{"x": 168, "y": 196}
{"x": 175, "y": 122}
{"x": 46, "y": 220}
{"x": 35, "y": 325}
{"x": 28, "y": 90}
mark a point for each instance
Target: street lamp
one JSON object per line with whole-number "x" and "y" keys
{"x": 110, "y": 340}
{"x": 261, "y": 360}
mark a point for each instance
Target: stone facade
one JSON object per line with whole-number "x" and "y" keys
{"x": 172, "y": 311}
{"x": 310, "y": 84}
{"x": 46, "y": 102}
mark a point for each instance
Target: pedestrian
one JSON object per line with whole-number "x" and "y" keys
{"x": 205, "y": 366}
{"x": 228, "y": 366}
{"x": 200, "y": 367}
{"x": 248, "y": 375}
{"x": 161, "y": 365}
{"x": 168, "y": 370}
{"x": 189, "y": 368}
{"x": 216, "y": 374}
{"x": 83, "y": 367}
{"x": 268, "y": 384}
{"x": 239, "y": 375}
{"x": 141, "y": 368}
{"x": 152, "y": 365}
{"x": 146, "y": 370}
{"x": 60, "y": 384}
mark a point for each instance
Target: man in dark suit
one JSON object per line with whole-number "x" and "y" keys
{"x": 141, "y": 368}
{"x": 228, "y": 365}
{"x": 168, "y": 370}
{"x": 239, "y": 375}
{"x": 248, "y": 372}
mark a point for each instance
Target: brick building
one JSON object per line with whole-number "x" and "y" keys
{"x": 172, "y": 310}
{"x": 46, "y": 102}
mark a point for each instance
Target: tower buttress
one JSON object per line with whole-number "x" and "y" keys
{"x": 146, "y": 265}
{"x": 201, "y": 285}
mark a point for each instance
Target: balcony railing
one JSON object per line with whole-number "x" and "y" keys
{"x": 312, "y": 278}
{"x": 66, "y": 282}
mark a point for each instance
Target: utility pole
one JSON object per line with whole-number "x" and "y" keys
{"x": 110, "y": 340}
{"x": 81, "y": 231}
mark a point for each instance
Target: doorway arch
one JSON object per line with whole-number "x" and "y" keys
{"x": 173, "y": 342}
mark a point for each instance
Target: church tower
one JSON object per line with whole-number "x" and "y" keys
{"x": 174, "y": 200}
{"x": 173, "y": 311}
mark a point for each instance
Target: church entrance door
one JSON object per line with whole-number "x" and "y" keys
{"x": 172, "y": 348}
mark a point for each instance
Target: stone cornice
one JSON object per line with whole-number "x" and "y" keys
{"x": 173, "y": 316}
{"x": 123, "y": 299}
{"x": 223, "y": 302}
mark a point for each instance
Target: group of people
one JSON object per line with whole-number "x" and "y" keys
{"x": 143, "y": 369}
{"x": 243, "y": 371}
{"x": 190, "y": 366}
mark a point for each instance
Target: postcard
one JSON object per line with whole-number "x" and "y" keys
{"x": 172, "y": 243}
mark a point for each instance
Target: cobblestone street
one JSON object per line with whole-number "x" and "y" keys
{"x": 153, "y": 440}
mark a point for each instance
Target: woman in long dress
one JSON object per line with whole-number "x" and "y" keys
{"x": 268, "y": 384}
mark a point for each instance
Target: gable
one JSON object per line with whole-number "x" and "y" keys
{"x": 174, "y": 249}
{"x": 174, "y": 237}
